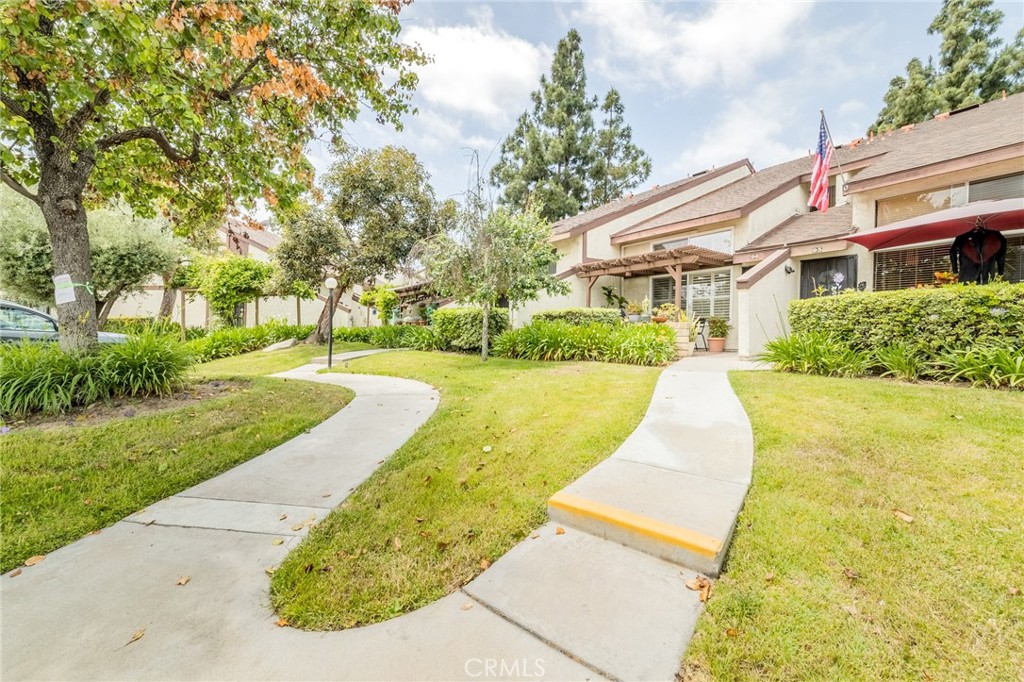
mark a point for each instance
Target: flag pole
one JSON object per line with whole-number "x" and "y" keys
{"x": 833, "y": 143}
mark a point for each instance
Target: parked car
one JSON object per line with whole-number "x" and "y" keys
{"x": 18, "y": 322}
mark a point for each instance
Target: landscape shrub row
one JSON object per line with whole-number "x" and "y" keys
{"x": 230, "y": 341}
{"x": 931, "y": 321}
{"x": 634, "y": 344}
{"x": 991, "y": 363}
{"x": 460, "y": 329}
{"x": 579, "y": 316}
{"x": 391, "y": 336}
{"x": 134, "y": 326}
{"x": 42, "y": 378}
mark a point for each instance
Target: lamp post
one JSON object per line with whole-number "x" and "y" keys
{"x": 330, "y": 283}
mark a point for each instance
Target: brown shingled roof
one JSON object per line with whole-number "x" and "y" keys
{"x": 806, "y": 227}
{"x": 588, "y": 220}
{"x": 946, "y": 137}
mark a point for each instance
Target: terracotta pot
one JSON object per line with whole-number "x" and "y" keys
{"x": 659, "y": 319}
{"x": 716, "y": 344}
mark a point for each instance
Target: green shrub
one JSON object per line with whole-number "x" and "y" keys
{"x": 636, "y": 344}
{"x": 41, "y": 378}
{"x": 929, "y": 320}
{"x": 421, "y": 338}
{"x": 816, "y": 353}
{"x": 140, "y": 325}
{"x": 993, "y": 366}
{"x": 579, "y": 316}
{"x": 901, "y": 361}
{"x": 461, "y": 329}
{"x": 352, "y": 334}
{"x": 237, "y": 340}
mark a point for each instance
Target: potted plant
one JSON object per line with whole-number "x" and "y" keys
{"x": 612, "y": 298}
{"x": 718, "y": 329}
{"x": 633, "y": 310}
{"x": 666, "y": 312}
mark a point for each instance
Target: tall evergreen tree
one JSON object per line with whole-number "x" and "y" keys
{"x": 548, "y": 162}
{"x": 972, "y": 67}
{"x": 618, "y": 163}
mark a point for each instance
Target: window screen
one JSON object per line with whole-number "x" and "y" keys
{"x": 907, "y": 206}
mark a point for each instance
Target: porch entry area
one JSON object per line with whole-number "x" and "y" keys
{"x": 694, "y": 278}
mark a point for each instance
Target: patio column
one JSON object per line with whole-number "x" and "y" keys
{"x": 590, "y": 286}
{"x": 677, "y": 276}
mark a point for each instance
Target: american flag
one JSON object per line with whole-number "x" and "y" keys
{"x": 819, "y": 177}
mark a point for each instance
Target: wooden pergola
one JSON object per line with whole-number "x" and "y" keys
{"x": 672, "y": 261}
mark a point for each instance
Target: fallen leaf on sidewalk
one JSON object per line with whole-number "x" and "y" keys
{"x": 485, "y": 564}
{"x": 534, "y": 535}
{"x": 270, "y": 571}
{"x": 136, "y": 637}
{"x": 298, "y": 526}
{"x": 326, "y": 495}
{"x": 559, "y": 531}
{"x": 183, "y": 580}
{"x": 282, "y": 622}
{"x": 467, "y": 606}
{"x": 33, "y": 560}
{"x": 16, "y": 572}
{"x": 278, "y": 541}
{"x": 903, "y": 516}
{"x": 283, "y": 517}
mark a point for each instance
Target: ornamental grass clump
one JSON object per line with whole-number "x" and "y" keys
{"x": 229, "y": 341}
{"x": 635, "y": 344}
{"x": 40, "y": 378}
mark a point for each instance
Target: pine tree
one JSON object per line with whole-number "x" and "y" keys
{"x": 618, "y": 163}
{"x": 548, "y": 161}
{"x": 971, "y": 67}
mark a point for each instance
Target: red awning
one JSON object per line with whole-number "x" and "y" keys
{"x": 1005, "y": 214}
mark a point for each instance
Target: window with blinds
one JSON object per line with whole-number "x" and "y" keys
{"x": 894, "y": 209}
{"x": 1007, "y": 187}
{"x": 907, "y": 268}
{"x": 703, "y": 295}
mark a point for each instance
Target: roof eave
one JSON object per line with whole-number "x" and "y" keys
{"x": 1004, "y": 153}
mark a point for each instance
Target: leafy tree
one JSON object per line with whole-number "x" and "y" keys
{"x": 493, "y": 255}
{"x": 229, "y": 281}
{"x": 381, "y": 205}
{"x": 553, "y": 159}
{"x": 618, "y": 163}
{"x": 384, "y": 299}
{"x": 971, "y": 67}
{"x": 206, "y": 103}
{"x": 126, "y": 253}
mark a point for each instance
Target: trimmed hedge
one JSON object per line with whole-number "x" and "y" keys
{"x": 133, "y": 326}
{"x": 634, "y": 344}
{"x": 230, "y": 341}
{"x": 461, "y": 329}
{"x": 579, "y": 316}
{"x": 929, "y": 320}
{"x": 42, "y": 378}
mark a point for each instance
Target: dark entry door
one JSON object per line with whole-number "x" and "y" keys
{"x": 827, "y": 276}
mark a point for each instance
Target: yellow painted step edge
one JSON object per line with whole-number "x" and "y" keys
{"x": 637, "y": 523}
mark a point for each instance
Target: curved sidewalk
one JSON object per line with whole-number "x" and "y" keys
{"x": 564, "y": 604}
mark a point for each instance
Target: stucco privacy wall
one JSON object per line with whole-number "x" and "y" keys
{"x": 761, "y": 309}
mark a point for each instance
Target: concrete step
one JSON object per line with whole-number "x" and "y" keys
{"x": 675, "y": 516}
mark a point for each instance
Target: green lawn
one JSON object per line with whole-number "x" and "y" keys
{"x": 61, "y": 483}
{"x": 825, "y": 581}
{"x": 422, "y": 524}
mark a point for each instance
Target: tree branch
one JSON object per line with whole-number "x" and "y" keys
{"x": 236, "y": 85}
{"x": 157, "y": 136}
{"x": 82, "y": 117}
{"x": 17, "y": 186}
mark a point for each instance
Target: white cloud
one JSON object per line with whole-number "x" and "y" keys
{"x": 478, "y": 69}
{"x": 749, "y": 127}
{"x": 726, "y": 43}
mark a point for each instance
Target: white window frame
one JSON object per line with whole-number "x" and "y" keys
{"x": 686, "y": 240}
{"x": 687, "y": 304}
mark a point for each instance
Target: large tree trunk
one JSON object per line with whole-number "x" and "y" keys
{"x": 319, "y": 334}
{"x": 484, "y": 341}
{"x": 60, "y": 198}
{"x": 167, "y": 300}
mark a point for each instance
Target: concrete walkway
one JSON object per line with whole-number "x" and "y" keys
{"x": 564, "y": 604}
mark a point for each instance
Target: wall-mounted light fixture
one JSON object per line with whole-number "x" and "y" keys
{"x": 790, "y": 270}
{"x": 861, "y": 286}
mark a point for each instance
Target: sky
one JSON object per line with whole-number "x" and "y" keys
{"x": 703, "y": 83}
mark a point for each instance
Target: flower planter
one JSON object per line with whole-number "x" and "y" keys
{"x": 659, "y": 319}
{"x": 716, "y": 344}
{"x": 633, "y": 318}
